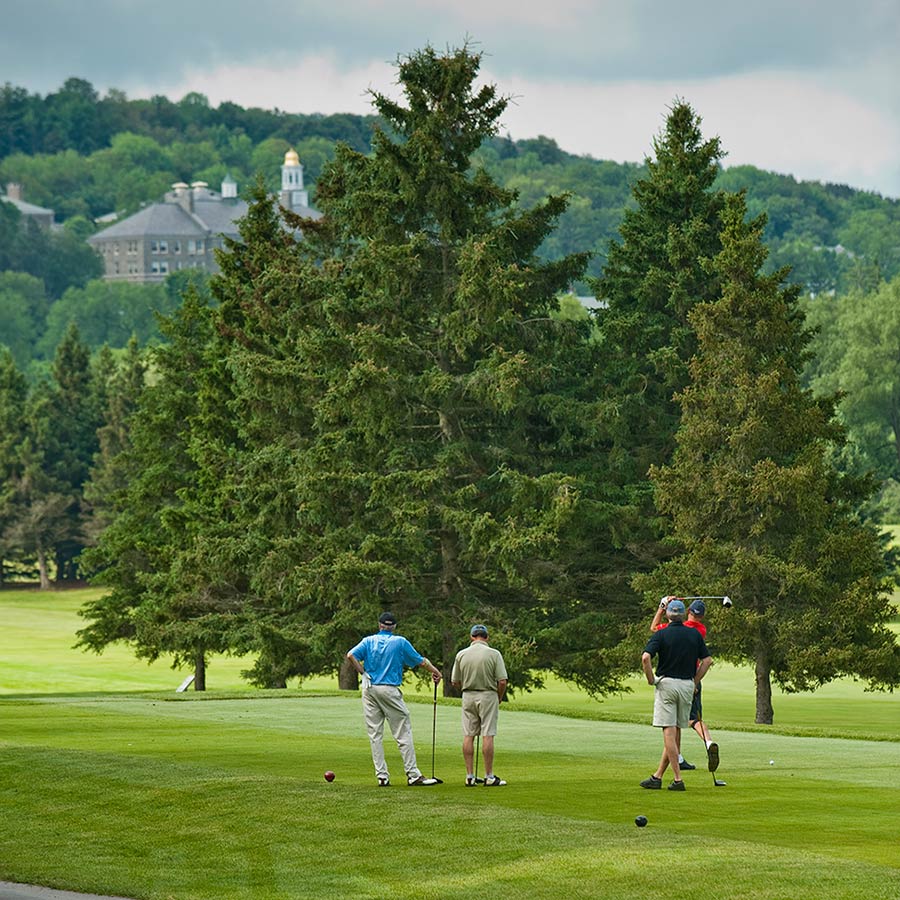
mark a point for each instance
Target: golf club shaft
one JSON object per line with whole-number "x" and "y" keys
{"x": 433, "y": 729}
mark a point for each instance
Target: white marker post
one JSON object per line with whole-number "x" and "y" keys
{"x": 184, "y": 685}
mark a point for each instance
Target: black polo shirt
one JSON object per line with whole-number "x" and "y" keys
{"x": 679, "y": 650}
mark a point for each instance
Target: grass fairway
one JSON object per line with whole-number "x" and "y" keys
{"x": 158, "y": 795}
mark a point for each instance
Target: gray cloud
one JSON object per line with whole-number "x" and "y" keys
{"x": 125, "y": 42}
{"x": 810, "y": 87}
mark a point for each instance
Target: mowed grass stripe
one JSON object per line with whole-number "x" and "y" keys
{"x": 227, "y": 799}
{"x": 219, "y": 836}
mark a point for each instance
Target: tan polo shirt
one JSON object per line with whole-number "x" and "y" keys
{"x": 479, "y": 667}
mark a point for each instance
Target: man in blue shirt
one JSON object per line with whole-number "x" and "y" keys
{"x": 380, "y": 659}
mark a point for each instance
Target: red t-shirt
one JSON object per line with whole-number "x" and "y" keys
{"x": 690, "y": 623}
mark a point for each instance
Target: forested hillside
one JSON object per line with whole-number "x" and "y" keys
{"x": 84, "y": 155}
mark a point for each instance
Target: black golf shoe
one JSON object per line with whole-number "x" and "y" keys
{"x": 712, "y": 757}
{"x": 652, "y": 783}
{"x": 677, "y": 786}
{"x": 686, "y": 766}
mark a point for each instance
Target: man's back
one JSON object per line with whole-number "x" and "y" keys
{"x": 479, "y": 667}
{"x": 679, "y": 649}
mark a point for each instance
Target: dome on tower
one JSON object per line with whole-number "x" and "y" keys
{"x": 291, "y": 158}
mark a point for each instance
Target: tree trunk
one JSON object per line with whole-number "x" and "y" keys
{"x": 42, "y": 569}
{"x": 449, "y": 587}
{"x": 348, "y": 677}
{"x": 764, "y": 711}
{"x": 200, "y": 671}
{"x": 449, "y": 649}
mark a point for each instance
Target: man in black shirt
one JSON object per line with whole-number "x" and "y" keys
{"x": 683, "y": 660}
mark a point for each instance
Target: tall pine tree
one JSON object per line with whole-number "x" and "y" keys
{"x": 755, "y": 503}
{"x": 652, "y": 279}
{"x": 439, "y": 445}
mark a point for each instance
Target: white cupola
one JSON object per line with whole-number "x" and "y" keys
{"x": 293, "y": 195}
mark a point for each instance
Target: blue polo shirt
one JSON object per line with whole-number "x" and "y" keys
{"x": 384, "y": 655}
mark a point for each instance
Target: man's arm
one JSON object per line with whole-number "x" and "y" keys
{"x": 702, "y": 669}
{"x": 356, "y": 663}
{"x": 501, "y": 688}
{"x": 435, "y": 673}
{"x": 660, "y": 612}
{"x": 647, "y": 666}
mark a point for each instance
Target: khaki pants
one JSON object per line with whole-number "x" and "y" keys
{"x": 385, "y": 702}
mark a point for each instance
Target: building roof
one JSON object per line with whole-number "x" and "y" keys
{"x": 172, "y": 220}
{"x": 27, "y": 209}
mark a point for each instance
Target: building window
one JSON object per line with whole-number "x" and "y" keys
{"x": 176, "y": 246}
{"x": 115, "y": 249}
{"x": 163, "y": 246}
{"x": 200, "y": 248}
{"x": 154, "y": 246}
{"x": 192, "y": 247}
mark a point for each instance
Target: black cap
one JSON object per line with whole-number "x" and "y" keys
{"x": 387, "y": 618}
{"x": 698, "y": 608}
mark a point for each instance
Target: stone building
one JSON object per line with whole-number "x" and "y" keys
{"x": 14, "y": 195}
{"x": 183, "y": 230}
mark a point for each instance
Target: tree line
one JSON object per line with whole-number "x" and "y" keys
{"x": 85, "y": 156}
{"x": 391, "y": 413}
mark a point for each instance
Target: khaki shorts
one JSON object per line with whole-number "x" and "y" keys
{"x": 479, "y": 712}
{"x": 672, "y": 705}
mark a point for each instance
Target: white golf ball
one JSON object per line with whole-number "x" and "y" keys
{"x": 771, "y": 762}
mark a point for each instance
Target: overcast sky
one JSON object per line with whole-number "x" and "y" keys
{"x": 809, "y": 88}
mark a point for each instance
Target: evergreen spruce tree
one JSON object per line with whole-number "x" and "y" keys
{"x": 652, "y": 279}
{"x": 13, "y": 395}
{"x": 756, "y": 505}
{"x": 438, "y": 444}
{"x": 149, "y": 529}
{"x": 109, "y": 475}
{"x": 54, "y": 459}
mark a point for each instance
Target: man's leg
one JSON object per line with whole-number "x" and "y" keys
{"x": 468, "y": 749}
{"x": 487, "y": 751}
{"x": 663, "y": 762}
{"x": 374, "y": 717}
{"x": 671, "y": 736}
{"x": 397, "y": 715}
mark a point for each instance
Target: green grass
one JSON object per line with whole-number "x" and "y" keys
{"x": 160, "y": 795}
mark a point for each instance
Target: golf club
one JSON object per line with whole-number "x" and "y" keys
{"x": 477, "y": 754}
{"x": 726, "y": 600}
{"x": 433, "y": 735}
{"x": 713, "y": 764}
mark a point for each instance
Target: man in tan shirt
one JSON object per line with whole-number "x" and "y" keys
{"x": 481, "y": 673}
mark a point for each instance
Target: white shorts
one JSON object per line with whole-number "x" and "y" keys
{"x": 672, "y": 704}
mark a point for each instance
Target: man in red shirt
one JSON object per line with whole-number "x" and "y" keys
{"x": 696, "y": 612}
